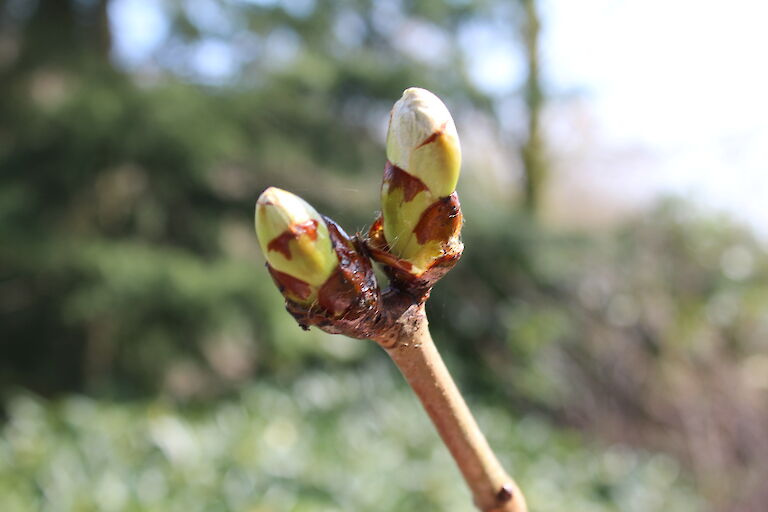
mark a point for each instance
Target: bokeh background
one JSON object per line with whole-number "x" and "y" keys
{"x": 608, "y": 322}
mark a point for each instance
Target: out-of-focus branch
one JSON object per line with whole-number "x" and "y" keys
{"x": 534, "y": 162}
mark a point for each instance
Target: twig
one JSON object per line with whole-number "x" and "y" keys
{"x": 411, "y": 347}
{"x": 423, "y": 160}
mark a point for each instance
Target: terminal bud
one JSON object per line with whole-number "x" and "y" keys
{"x": 420, "y": 213}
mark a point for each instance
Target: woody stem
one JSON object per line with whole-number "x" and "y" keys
{"x": 410, "y": 346}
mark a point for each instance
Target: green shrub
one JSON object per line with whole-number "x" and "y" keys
{"x": 353, "y": 441}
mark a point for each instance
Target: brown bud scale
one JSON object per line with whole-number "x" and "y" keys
{"x": 399, "y": 178}
{"x": 440, "y": 221}
{"x": 337, "y": 294}
{"x": 280, "y": 243}
{"x": 443, "y": 223}
{"x": 349, "y": 302}
{"x": 286, "y": 283}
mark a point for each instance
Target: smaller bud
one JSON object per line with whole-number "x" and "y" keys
{"x": 296, "y": 244}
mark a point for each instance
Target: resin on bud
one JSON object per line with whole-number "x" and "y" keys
{"x": 295, "y": 241}
{"x": 420, "y": 211}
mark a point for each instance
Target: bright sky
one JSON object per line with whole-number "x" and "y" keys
{"x": 686, "y": 80}
{"x": 683, "y": 80}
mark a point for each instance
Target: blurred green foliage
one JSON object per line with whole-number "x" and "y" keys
{"x": 322, "y": 443}
{"x": 126, "y": 201}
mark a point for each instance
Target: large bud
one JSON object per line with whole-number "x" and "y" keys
{"x": 420, "y": 211}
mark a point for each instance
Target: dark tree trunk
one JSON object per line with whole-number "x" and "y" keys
{"x": 534, "y": 163}
{"x": 65, "y": 32}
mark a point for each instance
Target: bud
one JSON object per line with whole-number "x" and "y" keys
{"x": 422, "y": 141}
{"x": 424, "y": 158}
{"x": 296, "y": 244}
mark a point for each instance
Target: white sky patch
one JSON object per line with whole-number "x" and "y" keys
{"x": 210, "y": 16}
{"x": 492, "y": 56}
{"x": 349, "y": 28}
{"x": 214, "y": 59}
{"x": 299, "y": 8}
{"x": 423, "y": 41}
{"x": 138, "y": 27}
{"x": 684, "y": 79}
{"x": 282, "y": 46}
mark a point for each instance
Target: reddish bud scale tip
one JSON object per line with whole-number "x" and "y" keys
{"x": 337, "y": 294}
{"x": 432, "y": 138}
{"x": 289, "y": 286}
{"x": 397, "y": 178}
{"x": 440, "y": 222}
{"x": 294, "y": 231}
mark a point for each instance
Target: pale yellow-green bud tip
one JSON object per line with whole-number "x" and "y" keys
{"x": 295, "y": 240}
{"x": 422, "y": 140}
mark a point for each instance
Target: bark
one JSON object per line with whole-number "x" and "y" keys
{"x": 410, "y": 346}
